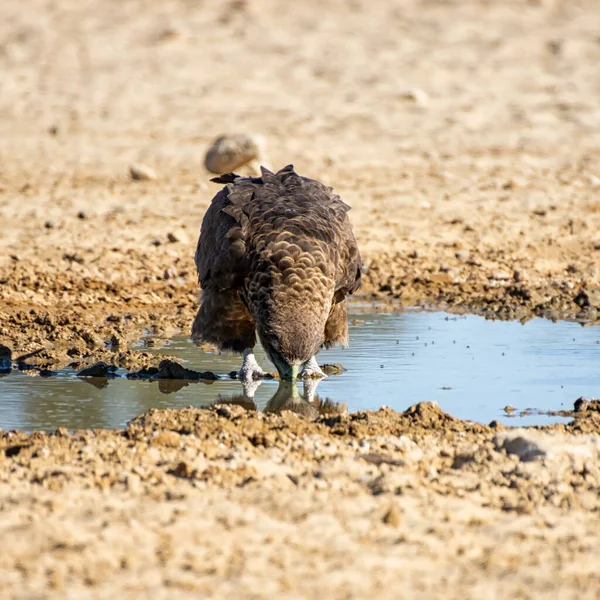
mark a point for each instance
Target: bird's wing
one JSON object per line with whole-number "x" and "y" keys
{"x": 221, "y": 252}
{"x": 241, "y": 207}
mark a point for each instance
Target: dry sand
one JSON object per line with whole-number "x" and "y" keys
{"x": 465, "y": 134}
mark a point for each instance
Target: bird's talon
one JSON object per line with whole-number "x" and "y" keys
{"x": 312, "y": 374}
{"x": 250, "y": 375}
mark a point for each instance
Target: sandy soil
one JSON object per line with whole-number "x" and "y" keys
{"x": 465, "y": 135}
{"x": 229, "y": 503}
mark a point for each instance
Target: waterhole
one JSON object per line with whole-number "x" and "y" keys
{"x": 472, "y": 367}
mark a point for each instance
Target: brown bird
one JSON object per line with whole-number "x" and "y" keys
{"x": 276, "y": 257}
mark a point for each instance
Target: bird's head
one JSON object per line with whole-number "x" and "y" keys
{"x": 290, "y": 343}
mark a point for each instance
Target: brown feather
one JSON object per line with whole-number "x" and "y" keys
{"x": 282, "y": 247}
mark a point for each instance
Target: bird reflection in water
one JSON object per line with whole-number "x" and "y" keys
{"x": 288, "y": 397}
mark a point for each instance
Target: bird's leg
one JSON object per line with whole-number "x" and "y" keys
{"x": 310, "y": 388}
{"x": 311, "y": 369}
{"x": 250, "y": 369}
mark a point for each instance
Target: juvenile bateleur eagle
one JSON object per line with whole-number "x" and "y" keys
{"x": 276, "y": 257}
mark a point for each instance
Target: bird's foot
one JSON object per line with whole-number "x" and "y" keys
{"x": 310, "y": 388}
{"x": 250, "y": 369}
{"x": 311, "y": 370}
{"x": 249, "y": 387}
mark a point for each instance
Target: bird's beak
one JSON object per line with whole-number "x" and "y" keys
{"x": 286, "y": 371}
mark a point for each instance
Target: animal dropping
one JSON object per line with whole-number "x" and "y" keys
{"x": 276, "y": 259}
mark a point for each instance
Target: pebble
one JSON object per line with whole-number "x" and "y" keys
{"x": 99, "y": 369}
{"x": 5, "y": 358}
{"x": 393, "y": 517}
{"x": 142, "y": 172}
{"x": 179, "y": 235}
{"x": 81, "y": 215}
{"x": 333, "y": 369}
{"x": 229, "y": 152}
{"x": 49, "y": 224}
{"x": 594, "y": 181}
{"x": 416, "y": 95}
{"x": 500, "y": 275}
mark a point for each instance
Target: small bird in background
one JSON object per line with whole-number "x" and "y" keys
{"x": 276, "y": 258}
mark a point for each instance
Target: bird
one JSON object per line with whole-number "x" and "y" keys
{"x": 276, "y": 258}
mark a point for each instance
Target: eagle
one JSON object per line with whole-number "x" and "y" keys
{"x": 276, "y": 258}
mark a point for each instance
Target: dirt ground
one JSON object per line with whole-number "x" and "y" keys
{"x": 465, "y": 135}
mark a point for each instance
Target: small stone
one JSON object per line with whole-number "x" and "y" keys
{"x": 141, "y": 172}
{"x": 554, "y": 46}
{"x": 5, "y": 358}
{"x": 509, "y": 409}
{"x": 229, "y": 152}
{"x": 594, "y": 181}
{"x": 49, "y": 224}
{"x": 500, "y": 275}
{"x": 416, "y": 95}
{"x": 99, "y": 369}
{"x": 333, "y": 369}
{"x": 81, "y": 215}
{"x": 588, "y": 297}
{"x": 179, "y": 235}
{"x": 392, "y": 517}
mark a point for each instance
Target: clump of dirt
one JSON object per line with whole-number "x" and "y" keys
{"x": 169, "y": 369}
{"x": 99, "y": 369}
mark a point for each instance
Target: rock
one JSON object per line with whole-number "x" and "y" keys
{"x": 416, "y": 95}
{"x": 169, "y": 369}
{"x": 49, "y": 224}
{"x": 5, "y": 358}
{"x": 500, "y": 275}
{"x": 143, "y": 373}
{"x": 179, "y": 235}
{"x": 594, "y": 181}
{"x": 228, "y": 152}
{"x": 581, "y": 404}
{"x": 141, "y": 172}
{"x": 392, "y": 517}
{"x": 333, "y": 369}
{"x": 520, "y": 444}
{"x": 100, "y": 369}
{"x": 82, "y": 215}
{"x": 509, "y": 409}
{"x": 588, "y": 297}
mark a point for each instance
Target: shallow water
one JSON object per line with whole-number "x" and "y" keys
{"x": 471, "y": 366}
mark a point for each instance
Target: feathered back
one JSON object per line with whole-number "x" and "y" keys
{"x": 286, "y": 244}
